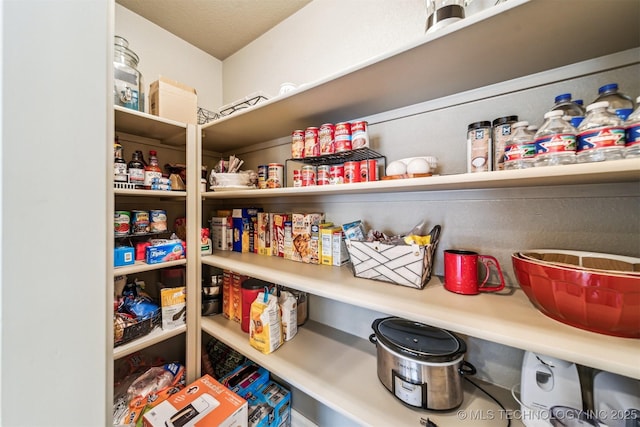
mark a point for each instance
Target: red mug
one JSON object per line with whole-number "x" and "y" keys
{"x": 461, "y": 272}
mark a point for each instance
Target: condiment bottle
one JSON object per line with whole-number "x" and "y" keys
{"x": 152, "y": 170}
{"x": 574, "y": 111}
{"x": 520, "y": 151}
{"x": 601, "y": 135}
{"x": 620, "y": 103}
{"x": 119, "y": 165}
{"x": 632, "y": 133}
{"x": 136, "y": 169}
{"x": 555, "y": 141}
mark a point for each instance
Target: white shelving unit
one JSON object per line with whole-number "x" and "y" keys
{"x": 177, "y": 136}
{"x": 534, "y": 33}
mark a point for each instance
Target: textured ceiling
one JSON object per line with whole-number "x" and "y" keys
{"x": 218, "y": 27}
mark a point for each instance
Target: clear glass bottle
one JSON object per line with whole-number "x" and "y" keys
{"x": 620, "y": 103}
{"x": 128, "y": 85}
{"x": 119, "y": 165}
{"x": 574, "y": 112}
{"x": 555, "y": 141}
{"x": 136, "y": 169}
{"x": 632, "y": 133}
{"x": 152, "y": 170}
{"x": 520, "y": 151}
{"x": 601, "y": 135}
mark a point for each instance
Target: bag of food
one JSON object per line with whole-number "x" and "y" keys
{"x": 265, "y": 328}
{"x": 289, "y": 313}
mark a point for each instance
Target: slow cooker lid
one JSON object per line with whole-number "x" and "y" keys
{"x": 418, "y": 339}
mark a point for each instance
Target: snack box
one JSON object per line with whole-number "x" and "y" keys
{"x": 246, "y": 378}
{"x": 173, "y": 302}
{"x": 123, "y": 255}
{"x": 305, "y": 233}
{"x": 244, "y": 228}
{"x": 203, "y": 403}
{"x": 264, "y": 233}
{"x": 269, "y": 406}
{"x": 277, "y": 225}
{"x": 222, "y": 233}
{"x": 169, "y": 251}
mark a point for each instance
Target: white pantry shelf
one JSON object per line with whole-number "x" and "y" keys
{"x": 140, "y": 266}
{"x": 508, "y": 319}
{"x": 155, "y": 336}
{"x": 340, "y": 371}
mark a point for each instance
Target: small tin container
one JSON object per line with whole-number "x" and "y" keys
{"x": 122, "y": 223}
{"x": 311, "y": 142}
{"x": 262, "y": 176}
{"x": 368, "y": 170}
{"x": 351, "y": 172}
{"x": 479, "y": 147}
{"x": 157, "y": 221}
{"x": 308, "y": 175}
{"x": 342, "y": 137}
{"x": 326, "y": 134}
{"x": 336, "y": 174}
{"x": 501, "y": 133}
{"x": 297, "y": 144}
{"x": 359, "y": 135}
{"x": 275, "y": 175}
{"x": 297, "y": 178}
{"x": 323, "y": 175}
{"x": 140, "y": 222}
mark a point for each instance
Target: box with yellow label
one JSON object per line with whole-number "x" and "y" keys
{"x": 174, "y": 305}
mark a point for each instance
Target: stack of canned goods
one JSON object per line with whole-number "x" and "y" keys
{"x": 329, "y": 139}
{"x": 343, "y": 173}
{"x": 139, "y": 222}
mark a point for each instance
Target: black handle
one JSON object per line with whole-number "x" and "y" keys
{"x": 466, "y": 369}
{"x": 373, "y": 338}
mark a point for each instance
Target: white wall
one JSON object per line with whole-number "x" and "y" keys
{"x": 163, "y": 54}
{"x": 56, "y": 140}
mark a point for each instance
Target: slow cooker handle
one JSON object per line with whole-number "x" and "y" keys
{"x": 466, "y": 368}
{"x": 373, "y": 339}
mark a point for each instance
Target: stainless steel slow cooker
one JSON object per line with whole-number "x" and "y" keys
{"x": 420, "y": 365}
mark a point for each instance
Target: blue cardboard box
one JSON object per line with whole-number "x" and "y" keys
{"x": 123, "y": 255}
{"x": 244, "y": 221}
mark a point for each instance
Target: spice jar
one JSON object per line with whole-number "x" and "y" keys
{"x": 128, "y": 88}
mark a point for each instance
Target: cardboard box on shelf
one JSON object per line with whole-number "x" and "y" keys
{"x": 173, "y": 100}
{"x": 205, "y": 402}
{"x": 305, "y": 233}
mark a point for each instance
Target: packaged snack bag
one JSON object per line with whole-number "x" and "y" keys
{"x": 265, "y": 328}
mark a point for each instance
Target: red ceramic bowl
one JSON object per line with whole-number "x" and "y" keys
{"x": 606, "y": 303}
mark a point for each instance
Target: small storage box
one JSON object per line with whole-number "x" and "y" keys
{"x": 173, "y": 100}
{"x": 406, "y": 265}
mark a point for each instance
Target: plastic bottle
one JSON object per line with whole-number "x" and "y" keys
{"x": 520, "y": 151}
{"x": 632, "y": 133}
{"x": 136, "y": 169}
{"x": 618, "y": 101}
{"x": 555, "y": 141}
{"x": 119, "y": 165}
{"x": 152, "y": 170}
{"x": 601, "y": 135}
{"x": 574, "y": 112}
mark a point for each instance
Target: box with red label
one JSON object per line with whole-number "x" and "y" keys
{"x": 276, "y": 228}
{"x": 202, "y": 403}
{"x": 169, "y": 251}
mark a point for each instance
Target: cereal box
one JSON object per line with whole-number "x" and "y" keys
{"x": 222, "y": 233}
{"x": 305, "y": 236}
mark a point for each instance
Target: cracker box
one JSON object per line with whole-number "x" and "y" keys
{"x": 305, "y": 233}
{"x": 340, "y": 255}
{"x": 276, "y": 224}
{"x": 263, "y": 229}
{"x": 269, "y": 406}
{"x": 203, "y": 403}
{"x": 173, "y": 100}
{"x": 243, "y": 228}
{"x": 174, "y": 304}
{"x": 246, "y": 378}
{"x": 236, "y": 297}
{"x": 222, "y": 233}
{"x": 288, "y": 241}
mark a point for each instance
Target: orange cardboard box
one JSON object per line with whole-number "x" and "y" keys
{"x": 202, "y": 403}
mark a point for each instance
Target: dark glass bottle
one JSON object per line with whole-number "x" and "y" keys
{"x": 119, "y": 165}
{"x": 136, "y": 169}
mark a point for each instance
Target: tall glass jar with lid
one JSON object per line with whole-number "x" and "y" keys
{"x": 128, "y": 86}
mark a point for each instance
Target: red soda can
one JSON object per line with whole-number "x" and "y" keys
{"x": 326, "y": 134}
{"x": 342, "y": 137}
{"x": 311, "y": 142}
{"x": 351, "y": 172}
{"x": 336, "y": 174}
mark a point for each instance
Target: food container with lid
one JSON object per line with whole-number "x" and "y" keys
{"x": 419, "y": 364}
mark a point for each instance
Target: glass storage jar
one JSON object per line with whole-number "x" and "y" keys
{"x": 128, "y": 87}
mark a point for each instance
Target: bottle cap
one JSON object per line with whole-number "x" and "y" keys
{"x": 553, "y": 113}
{"x": 520, "y": 124}
{"x": 610, "y": 86}
{"x": 563, "y": 97}
{"x": 601, "y": 104}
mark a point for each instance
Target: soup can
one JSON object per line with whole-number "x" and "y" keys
{"x": 157, "y": 221}
{"x": 297, "y": 144}
{"x": 262, "y": 176}
{"x": 297, "y": 178}
{"x": 140, "y": 222}
{"x": 368, "y": 170}
{"x": 351, "y": 172}
{"x": 359, "y": 135}
{"x": 122, "y": 223}
{"x": 326, "y": 134}
{"x": 342, "y": 137}
{"x": 336, "y": 174}
{"x": 275, "y": 175}
{"x": 308, "y": 175}
{"x": 323, "y": 175}
{"x": 311, "y": 142}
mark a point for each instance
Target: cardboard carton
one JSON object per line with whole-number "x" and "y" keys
{"x": 173, "y": 100}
